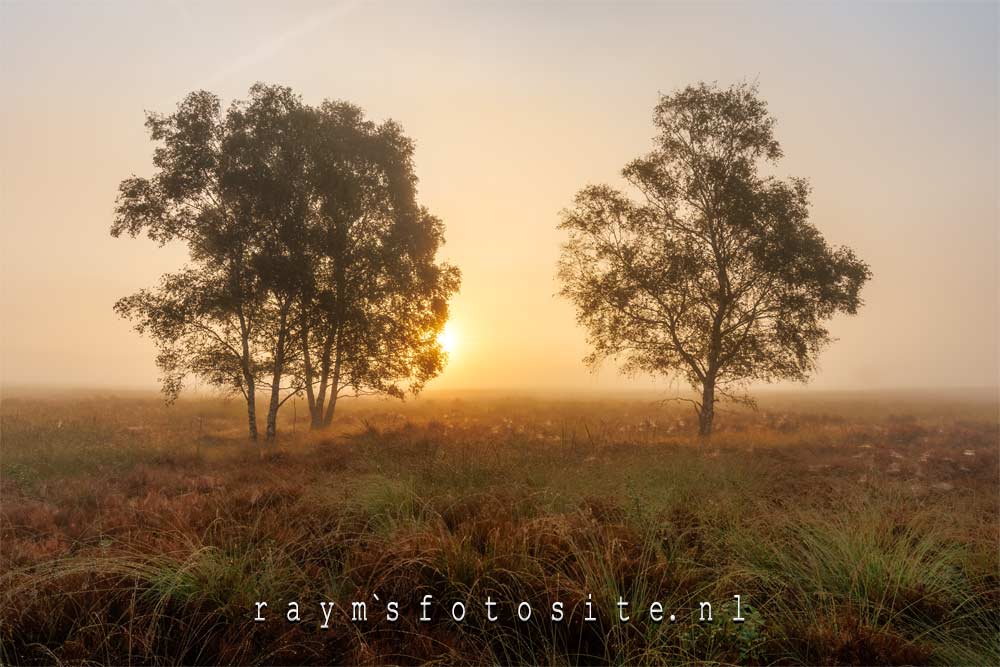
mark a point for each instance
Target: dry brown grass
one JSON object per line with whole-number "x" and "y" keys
{"x": 857, "y": 531}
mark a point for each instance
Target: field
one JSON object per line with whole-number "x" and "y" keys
{"x": 856, "y": 529}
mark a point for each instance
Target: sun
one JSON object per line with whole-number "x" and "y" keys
{"x": 448, "y": 339}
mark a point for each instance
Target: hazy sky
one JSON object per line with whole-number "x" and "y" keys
{"x": 890, "y": 110}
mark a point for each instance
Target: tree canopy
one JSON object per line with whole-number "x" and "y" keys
{"x": 312, "y": 266}
{"x": 714, "y": 273}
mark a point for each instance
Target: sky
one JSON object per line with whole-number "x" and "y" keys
{"x": 890, "y": 110}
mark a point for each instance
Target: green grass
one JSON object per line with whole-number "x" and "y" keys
{"x": 151, "y": 546}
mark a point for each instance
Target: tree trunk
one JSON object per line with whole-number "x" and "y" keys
{"x": 330, "y": 408}
{"x": 317, "y": 409}
{"x": 334, "y": 391}
{"x": 707, "y": 412}
{"x": 316, "y": 412}
{"x": 279, "y": 363}
{"x": 252, "y": 409}
{"x": 309, "y": 371}
{"x": 248, "y": 379}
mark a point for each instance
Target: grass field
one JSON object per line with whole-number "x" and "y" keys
{"x": 856, "y": 528}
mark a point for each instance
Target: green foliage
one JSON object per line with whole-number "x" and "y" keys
{"x": 313, "y": 267}
{"x": 716, "y": 275}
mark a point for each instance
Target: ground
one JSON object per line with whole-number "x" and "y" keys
{"x": 856, "y": 529}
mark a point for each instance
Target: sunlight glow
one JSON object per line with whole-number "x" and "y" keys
{"x": 448, "y": 339}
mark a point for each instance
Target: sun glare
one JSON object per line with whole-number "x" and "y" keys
{"x": 448, "y": 339}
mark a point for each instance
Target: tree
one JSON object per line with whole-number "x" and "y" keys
{"x": 285, "y": 256}
{"x": 716, "y": 274}
{"x": 269, "y": 147}
{"x": 207, "y": 318}
{"x": 370, "y": 316}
